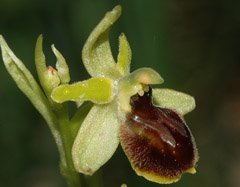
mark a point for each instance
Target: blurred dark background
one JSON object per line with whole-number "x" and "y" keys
{"x": 193, "y": 44}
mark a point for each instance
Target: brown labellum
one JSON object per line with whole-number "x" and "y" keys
{"x": 157, "y": 141}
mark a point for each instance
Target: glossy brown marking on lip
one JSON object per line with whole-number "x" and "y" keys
{"x": 157, "y": 140}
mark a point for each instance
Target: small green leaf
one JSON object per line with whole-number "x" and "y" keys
{"x": 97, "y": 139}
{"x": 62, "y": 67}
{"x": 181, "y": 102}
{"x": 97, "y": 90}
{"x": 28, "y": 85}
{"x": 96, "y": 54}
{"x": 17, "y": 70}
{"x": 124, "y": 55}
{"x": 22, "y": 76}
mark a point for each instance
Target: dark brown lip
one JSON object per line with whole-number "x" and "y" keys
{"x": 157, "y": 139}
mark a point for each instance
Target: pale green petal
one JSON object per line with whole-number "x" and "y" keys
{"x": 124, "y": 55}
{"x": 97, "y": 139}
{"x": 96, "y": 54}
{"x": 181, "y": 102}
{"x": 62, "y": 67}
{"x": 97, "y": 90}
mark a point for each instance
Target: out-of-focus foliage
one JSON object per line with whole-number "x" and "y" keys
{"x": 195, "y": 46}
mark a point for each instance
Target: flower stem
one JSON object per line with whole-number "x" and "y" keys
{"x": 66, "y": 163}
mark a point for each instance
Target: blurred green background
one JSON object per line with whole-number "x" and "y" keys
{"x": 193, "y": 44}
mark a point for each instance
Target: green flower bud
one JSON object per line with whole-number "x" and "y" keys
{"x": 48, "y": 76}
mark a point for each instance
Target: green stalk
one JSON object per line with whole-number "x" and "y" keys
{"x": 49, "y": 79}
{"x": 66, "y": 164}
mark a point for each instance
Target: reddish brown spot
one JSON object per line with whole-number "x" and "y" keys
{"x": 51, "y": 70}
{"x": 89, "y": 170}
{"x": 157, "y": 139}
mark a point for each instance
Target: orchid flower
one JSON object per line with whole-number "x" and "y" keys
{"x": 114, "y": 106}
{"x": 147, "y": 122}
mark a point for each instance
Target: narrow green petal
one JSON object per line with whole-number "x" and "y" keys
{"x": 124, "y": 55}
{"x": 181, "y": 102}
{"x": 97, "y": 90}
{"x": 97, "y": 139}
{"x": 96, "y": 54}
{"x": 62, "y": 67}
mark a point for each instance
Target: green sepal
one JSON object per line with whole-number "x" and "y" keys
{"x": 97, "y": 90}
{"x": 96, "y": 54}
{"x": 181, "y": 102}
{"x": 124, "y": 55}
{"x": 79, "y": 117}
{"x": 97, "y": 139}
